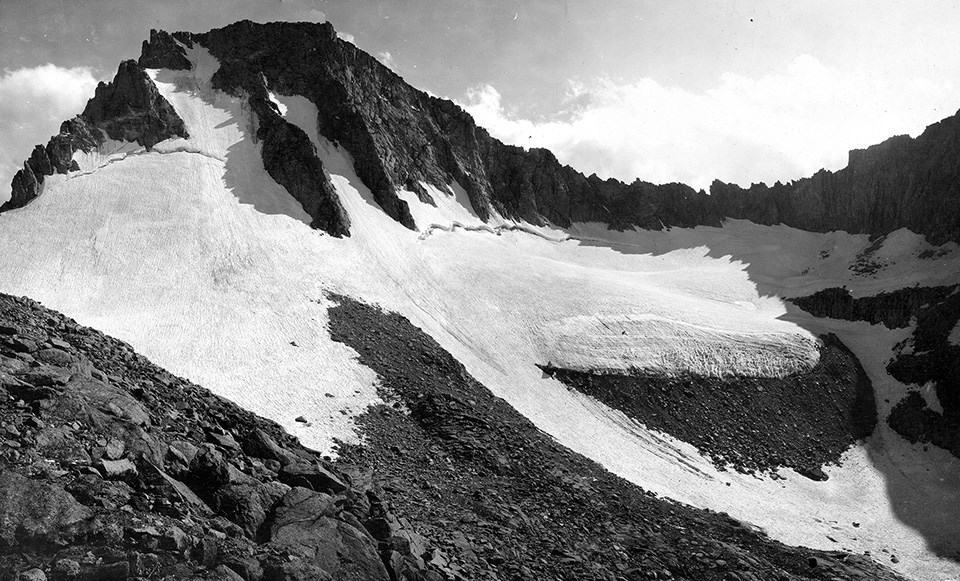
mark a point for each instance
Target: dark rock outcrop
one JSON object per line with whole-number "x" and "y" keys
{"x": 900, "y": 183}
{"x": 399, "y": 136}
{"x": 926, "y": 357}
{"x": 894, "y": 309}
{"x": 287, "y": 152}
{"x": 57, "y": 157}
{"x": 132, "y": 109}
{"x": 291, "y": 160}
{"x": 309, "y": 60}
{"x": 129, "y": 108}
{"x": 163, "y": 52}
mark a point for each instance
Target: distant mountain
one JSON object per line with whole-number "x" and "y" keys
{"x": 399, "y": 136}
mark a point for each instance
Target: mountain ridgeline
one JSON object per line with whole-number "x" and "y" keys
{"x": 399, "y": 137}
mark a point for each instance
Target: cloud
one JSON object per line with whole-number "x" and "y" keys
{"x": 779, "y": 126}
{"x": 387, "y": 60}
{"x": 33, "y": 103}
{"x": 345, "y": 36}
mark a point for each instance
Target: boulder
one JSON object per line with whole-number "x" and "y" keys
{"x": 117, "y": 469}
{"x": 297, "y": 570}
{"x": 304, "y": 525}
{"x": 248, "y": 505}
{"x": 224, "y": 573}
{"x": 37, "y": 512}
{"x": 311, "y": 476}
{"x": 259, "y": 444}
{"x": 32, "y": 575}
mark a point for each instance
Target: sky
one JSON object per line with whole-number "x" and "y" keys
{"x": 684, "y": 90}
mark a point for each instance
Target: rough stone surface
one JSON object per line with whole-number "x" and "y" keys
{"x": 111, "y": 468}
{"x": 927, "y": 356}
{"x": 399, "y": 137}
{"x": 893, "y": 309}
{"x": 900, "y": 183}
{"x": 163, "y": 52}
{"x": 131, "y": 108}
{"x": 36, "y": 512}
{"x": 287, "y": 152}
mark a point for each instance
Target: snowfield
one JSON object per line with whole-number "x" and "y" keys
{"x": 193, "y": 255}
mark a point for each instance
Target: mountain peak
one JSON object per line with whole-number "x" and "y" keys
{"x": 400, "y": 138}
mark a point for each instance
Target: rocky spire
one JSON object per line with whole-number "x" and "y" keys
{"x": 129, "y": 108}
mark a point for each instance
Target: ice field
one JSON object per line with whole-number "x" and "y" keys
{"x": 193, "y": 255}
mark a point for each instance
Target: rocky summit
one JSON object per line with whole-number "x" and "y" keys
{"x": 400, "y": 136}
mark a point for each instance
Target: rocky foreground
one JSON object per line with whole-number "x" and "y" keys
{"x": 112, "y": 468}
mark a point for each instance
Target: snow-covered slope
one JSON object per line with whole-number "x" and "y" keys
{"x": 192, "y": 254}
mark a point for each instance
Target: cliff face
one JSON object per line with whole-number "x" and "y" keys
{"x": 902, "y": 182}
{"x": 399, "y": 136}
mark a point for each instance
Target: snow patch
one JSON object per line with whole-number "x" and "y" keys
{"x": 448, "y": 208}
{"x": 108, "y": 152}
{"x": 954, "y": 337}
{"x": 280, "y": 106}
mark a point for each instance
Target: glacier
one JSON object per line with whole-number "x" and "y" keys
{"x": 191, "y": 253}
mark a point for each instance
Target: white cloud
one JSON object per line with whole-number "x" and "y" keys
{"x": 33, "y": 103}
{"x": 345, "y": 36}
{"x": 779, "y": 126}
{"x": 387, "y": 60}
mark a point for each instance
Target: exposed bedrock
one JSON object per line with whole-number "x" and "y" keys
{"x": 399, "y": 136}
{"x": 288, "y": 154}
{"x": 895, "y": 309}
{"x": 163, "y": 52}
{"x": 802, "y": 421}
{"x": 900, "y": 183}
{"x": 927, "y": 357}
{"x": 129, "y": 108}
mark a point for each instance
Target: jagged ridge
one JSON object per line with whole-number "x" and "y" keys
{"x": 399, "y": 136}
{"x": 129, "y": 108}
{"x": 900, "y": 183}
